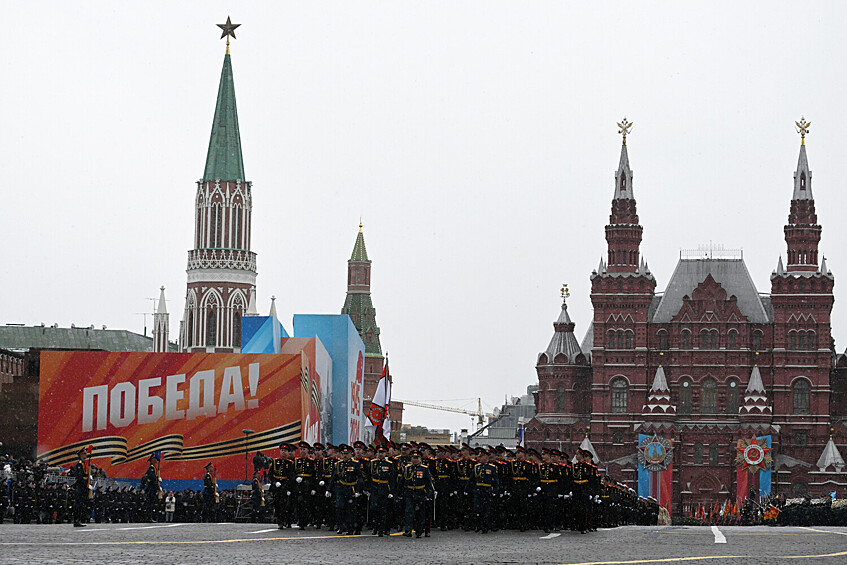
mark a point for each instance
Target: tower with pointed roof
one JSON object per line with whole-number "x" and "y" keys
{"x": 802, "y": 298}
{"x": 221, "y": 266}
{"x": 161, "y": 325}
{"x": 564, "y": 377}
{"x": 622, "y": 290}
{"x": 359, "y": 307}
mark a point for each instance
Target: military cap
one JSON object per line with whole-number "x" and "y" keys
{"x": 416, "y": 453}
{"x": 466, "y": 446}
{"x": 304, "y": 444}
{"x": 344, "y": 447}
{"x": 520, "y": 449}
{"x": 382, "y": 448}
{"x": 360, "y": 444}
{"x": 209, "y": 464}
{"x": 319, "y": 445}
{"x": 285, "y": 446}
{"x": 405, "y": 445}
{"x": 151, "y": 458}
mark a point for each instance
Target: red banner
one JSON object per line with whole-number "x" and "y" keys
{"x": 190, "y": 406}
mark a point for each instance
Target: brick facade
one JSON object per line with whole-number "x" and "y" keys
{"x": 707, "y": 334}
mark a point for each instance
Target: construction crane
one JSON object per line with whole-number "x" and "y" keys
{"x": 478, "y": 413}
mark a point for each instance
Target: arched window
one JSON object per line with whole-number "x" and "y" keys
{"x": 698, "y": 453}
{"x": 710, "y": 397}
{"x": 704, "y": 339}
{"x": 811, "y": 340}
{"x": 713, "y": 341}
{"x": 685, "y": 397}
{"x": 628, "y": 339}
{"x": 801, "y": 340}
{"x": 792, "y": 340}
{"x": 236, "y": 328}
{"x": 189, "y": 329}
{"x": 686, "y": 339}
{"x": 611, "y": 339}
{"x": 620, "y": 339}
{"x": 801, "y": 396}
{"x": 733, "y": 339}
{"x": 560, "y": 399}
{"x": 619, "y": 390}
{"x": 663, "y": 340}
{"x": 211, "y": 329}
{"x": 757, "y": 340}
{"x": 713, "y": 455}
{"x": 732, "y": 398}
{"x": 802, "y": 181}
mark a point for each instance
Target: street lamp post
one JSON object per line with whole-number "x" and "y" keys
{"x": 246, "y": 433}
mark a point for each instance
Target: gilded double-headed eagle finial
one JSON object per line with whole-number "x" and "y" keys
{"x": 624, "y": 127}
{"x": 565, "y": 293}
{"x": 803, "y": 129}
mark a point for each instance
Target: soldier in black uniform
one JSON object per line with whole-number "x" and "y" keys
{"x": 382, "y": 475}
{"x": 81, "y": 474}
{"x": 521, "y": 475}
{"x": 418, "y": 490}
{"x": 280, "y": 474}
{"x": 444, "y": 478}
{"x": 550, "y": 490}
{"x": 346, "y": 486}
{"x": 150, "y": 484}
{"x": 323, "y": 475}
{"x": 303, "y": 487}
{"x": 209, "y": 493}
{"x": 257, "y": 497}
{"x": 463, "y": 516}
{"x": 400, "y": 462}
{"x": 483, "y": 485}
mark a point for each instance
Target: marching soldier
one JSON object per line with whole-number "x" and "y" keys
{"x": 304, "y": 485}
{"x": 346, "y": 486}
{"x": 324, "y": 464}
{"x": 445, "y": 479}
{"x": 418, "y": 489}
{"x": 483, "y": 486}
{"x": 464, "y": 470}
{"x": 280, "y": 477}
{"x": 382, "y": 476}
{"x": 550, "y": 489}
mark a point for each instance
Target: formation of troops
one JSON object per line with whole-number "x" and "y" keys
{"x": 411, "y": 488}
{"x": 415, "y": 488}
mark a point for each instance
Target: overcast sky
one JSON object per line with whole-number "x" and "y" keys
{"x": 476, "y": 140}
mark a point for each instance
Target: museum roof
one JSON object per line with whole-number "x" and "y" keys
{"x": 22, "y": 338}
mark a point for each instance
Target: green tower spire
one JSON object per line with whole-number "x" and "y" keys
{"x": 224, "y": 161}
{"x": 359, "y": 251}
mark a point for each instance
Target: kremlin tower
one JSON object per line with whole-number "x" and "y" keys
{"x": 221, "y": 267}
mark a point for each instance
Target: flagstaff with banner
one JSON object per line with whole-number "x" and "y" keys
{"x": 378, "y": 425}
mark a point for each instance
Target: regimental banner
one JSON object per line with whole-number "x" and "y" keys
{"x": 190, "y": 406}
{"x": 753, "y": 467}
{"x": 655, "y": 469}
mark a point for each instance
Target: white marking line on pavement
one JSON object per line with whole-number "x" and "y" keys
{"x": 135, "y": 528}
{"x": 263, "y": 531}
{"x": 719, "y": 537}
{"x": 550, "y": 536}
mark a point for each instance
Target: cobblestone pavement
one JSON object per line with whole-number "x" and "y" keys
{"x": 249, "y": 544}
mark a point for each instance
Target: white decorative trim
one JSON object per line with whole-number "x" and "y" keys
{"x": 221, "y": 275}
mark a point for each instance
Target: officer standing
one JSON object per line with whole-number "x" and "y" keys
{"x": 382, "y": 476}
{"x": 280, "y": 476}
{"x": 418, "y": 489}
{"x": 483, "y": 485}
{"x": 346, "y": 486}
{"x": 304, "y": 484}
{"x": 257, "y": 497}
{"x": 82, "y": 473}
{"x": 209, "y": 493}
{"x": 150, "y": 484}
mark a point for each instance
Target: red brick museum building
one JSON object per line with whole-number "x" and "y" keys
{"x": 708, "y": 362}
